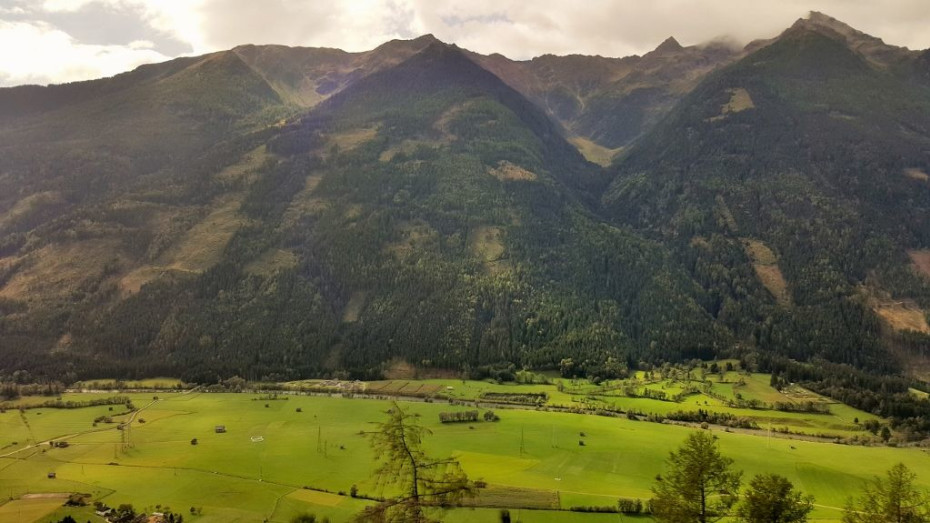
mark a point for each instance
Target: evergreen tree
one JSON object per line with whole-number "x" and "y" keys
{"x": 892, "y": 500}
{"x": 772, "y": 499}
{"x": 699, "y": 486}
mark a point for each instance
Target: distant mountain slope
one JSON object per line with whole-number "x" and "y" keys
{"x": 812, "y": 148}
{"x": 611, "y": 101}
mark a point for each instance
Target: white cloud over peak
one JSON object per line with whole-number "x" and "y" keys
{"x": 515, "y": 28}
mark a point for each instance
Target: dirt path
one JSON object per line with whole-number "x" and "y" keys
{"x": 46, "y": 495}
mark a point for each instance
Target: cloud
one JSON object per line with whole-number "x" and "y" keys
{"x": 71, "y": 39}
{"x": 618, "y": 28}
{"x": 353, "y": 26}
{"x": 521, "y": 30}
{"x": 48, "y": 55}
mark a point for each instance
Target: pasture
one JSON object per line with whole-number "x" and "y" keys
{"x": 274, "y": 462}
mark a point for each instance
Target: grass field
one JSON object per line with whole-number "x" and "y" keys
{"x": 529, "y": 458}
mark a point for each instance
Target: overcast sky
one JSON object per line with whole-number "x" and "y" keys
{"x": 53, "y": 41}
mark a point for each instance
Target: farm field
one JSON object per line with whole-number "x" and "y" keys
{"x": 270, "y": 451}
{"x": 742, "y": 396}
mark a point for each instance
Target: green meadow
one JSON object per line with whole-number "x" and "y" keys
{"x": 274, "y": 462}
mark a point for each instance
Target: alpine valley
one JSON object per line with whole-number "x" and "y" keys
{"x": 281, "y": 213}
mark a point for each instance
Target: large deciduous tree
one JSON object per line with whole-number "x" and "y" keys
{"x": 773, "y": 499}
{"x": 424, "y": 483}
{"x": 894, "y": 499}
{"x": 699, "y": 486}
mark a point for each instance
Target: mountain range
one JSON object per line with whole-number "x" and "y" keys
{"x": 277, "y": 213}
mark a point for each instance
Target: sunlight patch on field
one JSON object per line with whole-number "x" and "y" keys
{"x": 484, "y": 461}
{"x": 31, "y": 509}
{"x": 315, "y": 497}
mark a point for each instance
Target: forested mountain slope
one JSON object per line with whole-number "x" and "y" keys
{"x": 280, "y": 212}
{"x": 427, "y": 211}
{"x": 801, "y": 167}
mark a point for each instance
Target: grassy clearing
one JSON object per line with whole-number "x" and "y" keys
{"x": 197, "y": 249}
{"x": 349, "y": 140}
{"x": 739, "y": 101}
{"x": 506, "y": 171}
{"x": 59, "y": 269}
{"x": 304, "y": 203}
{"x": 903, "y": 316}
{"x": 246, "y": 170}
{"x": 487, "y": 244}
{"x": 354, "y": 307}
{"x": 900, "y": 315}
{"x": 916, "y": 174}
{"x": 412, "y": 236}
{"x": 202, "y": 246}
{"x": 31, "y": 205}
{"x": 921, "y": 260}
{"x": 595, "y": 152}
{"x": 272, "y": 261}
{"x": 408, "y": 147}
{"x": 765, "y": 264}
